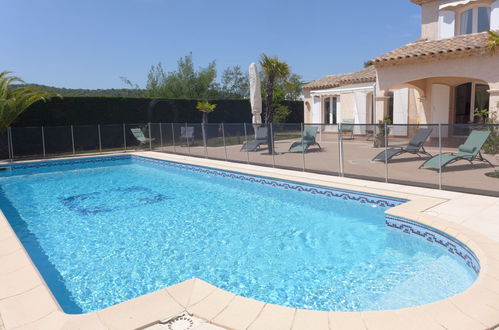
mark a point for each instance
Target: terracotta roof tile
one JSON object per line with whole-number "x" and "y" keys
{"x": 365, "y": 75}
{"x": 423, "y": 48}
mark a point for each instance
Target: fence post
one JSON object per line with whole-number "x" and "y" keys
{"x": 160, "y": 136}
{"x": 173, "y": 138}
{"x": 11, "y": 145}
{"x": 124, "y": 136}
{"x": 150, "y": 139}
{"x": 225, "y": 145}
{"x": 43, "y": 142}
{"x": 8, "y": 144}
{"x": 340, "y": 149}
{"x": 440, "y": 156}
{"x": 386, "y": 152}
{"x": 100, "y": 141}
{"x": 187, "y": 139}
{"x": 203, "y": 128}
{"x": 302, "y": 148}
{"x": 246, "y": 141}
{"x": 272, "y": 143}
{"x": 73, "y": 140}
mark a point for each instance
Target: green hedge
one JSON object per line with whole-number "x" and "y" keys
{"x": 115, "y": 110}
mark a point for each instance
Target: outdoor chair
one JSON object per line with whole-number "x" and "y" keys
{"x": 347, "y": 127}
{"x": 187, "y": 134}
{"x": 260, "y": 138}
{"x": 308, "y": 140}
{"x": 139, "y": 135}
{"x": 469, "y": 151}
{"x": 414, "y": 147}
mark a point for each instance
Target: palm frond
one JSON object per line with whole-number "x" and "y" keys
{"x": 14, "y": 100}
{"x": 493, "y": 40}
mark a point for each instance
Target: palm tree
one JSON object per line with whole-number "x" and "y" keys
{"x": 493, "y": 41}
{"x": 13, "y": 101}
{"x": 274, "y": 70}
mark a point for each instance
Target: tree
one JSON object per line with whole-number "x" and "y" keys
{"x": 184, "y": 83}
{"x": 235, "y": 84}
{"x": 14, "y": 99}
{"x": 274, "y": 70}
{"x": 493, "y": 40}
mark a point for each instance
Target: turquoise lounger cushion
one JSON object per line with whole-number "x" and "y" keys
{"x": 465, "y": 148}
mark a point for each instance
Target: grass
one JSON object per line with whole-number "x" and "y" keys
{"x": 493, "y": 174}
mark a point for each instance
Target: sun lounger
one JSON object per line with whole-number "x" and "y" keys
{"x": 308, "y": 140}
{"x": 469, "y": 151}
{"x": 347, "y": 127}
{"x": 415, "y": 146}
{"x": 187, "y": 133}
{"x": 139, "y": 135}
{"x": 260, "y": 138}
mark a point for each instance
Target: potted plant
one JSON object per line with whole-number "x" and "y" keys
{"x": 382, "y": 131}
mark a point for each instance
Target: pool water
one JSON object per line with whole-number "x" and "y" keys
{"x": 101, "y": 235}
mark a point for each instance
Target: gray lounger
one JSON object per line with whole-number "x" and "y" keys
{"x": 260, "y": 138}
{"x": 414, "y": 147}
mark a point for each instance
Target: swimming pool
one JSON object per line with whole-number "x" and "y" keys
{"x": 108, "y": 229}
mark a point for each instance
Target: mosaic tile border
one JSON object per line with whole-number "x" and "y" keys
{"x": 62, "y": 162}
{"x": 437, "y": 237}
{"x": 382, "y": 201}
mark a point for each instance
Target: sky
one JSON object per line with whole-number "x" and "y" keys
{"x": 92, "y": 43}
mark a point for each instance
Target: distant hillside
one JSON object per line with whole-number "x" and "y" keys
{"x": 123, "y": 92}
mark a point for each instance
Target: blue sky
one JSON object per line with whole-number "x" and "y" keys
{"x": 92, "y": 43}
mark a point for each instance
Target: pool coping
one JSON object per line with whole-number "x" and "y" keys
{"x": 26, "y": 302}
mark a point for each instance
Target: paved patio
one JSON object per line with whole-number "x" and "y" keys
{"x": 358, "y": 155}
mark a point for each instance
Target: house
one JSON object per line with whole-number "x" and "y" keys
{"x": 441, "y": 78}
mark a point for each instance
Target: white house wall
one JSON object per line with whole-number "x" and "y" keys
{"x": 440, "y": 104}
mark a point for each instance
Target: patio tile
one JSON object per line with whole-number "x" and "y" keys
{"x": 13, "y": 261}
{"x": 384, "y": 321}
{"x": 18, "y": 281}
{"x": 9, "y": 245}
{"x": 138, "y": 312}
{"x": 83, "y": 322}
{"x": 239, "y": 314}
{"x": 482, "y": 306}
{"x": 274, "y": 317}
{"x": 307, "y": 319}
{"x": 212, "y": 305}
{"x": 54, "y": 320}
{"x": 27, "y": 307}
{"x": 182, "y": 291}
{"x": 200, "y": 290}
{"x": 450, "y": 317}
{"x": 346, "y": 320}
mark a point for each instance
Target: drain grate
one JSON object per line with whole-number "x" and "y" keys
{"x": 181, "y": 322}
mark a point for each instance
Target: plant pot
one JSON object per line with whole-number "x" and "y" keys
{"x": 379, "y": 142}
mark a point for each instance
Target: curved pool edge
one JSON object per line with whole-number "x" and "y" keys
{"x": 26, "y": 301}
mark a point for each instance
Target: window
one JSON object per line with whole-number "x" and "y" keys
{"x": 483, "y": 19}
{"x": 331, "y": 108}
{"x": 474, "y": 20}
{"x": 467, "y": 22}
